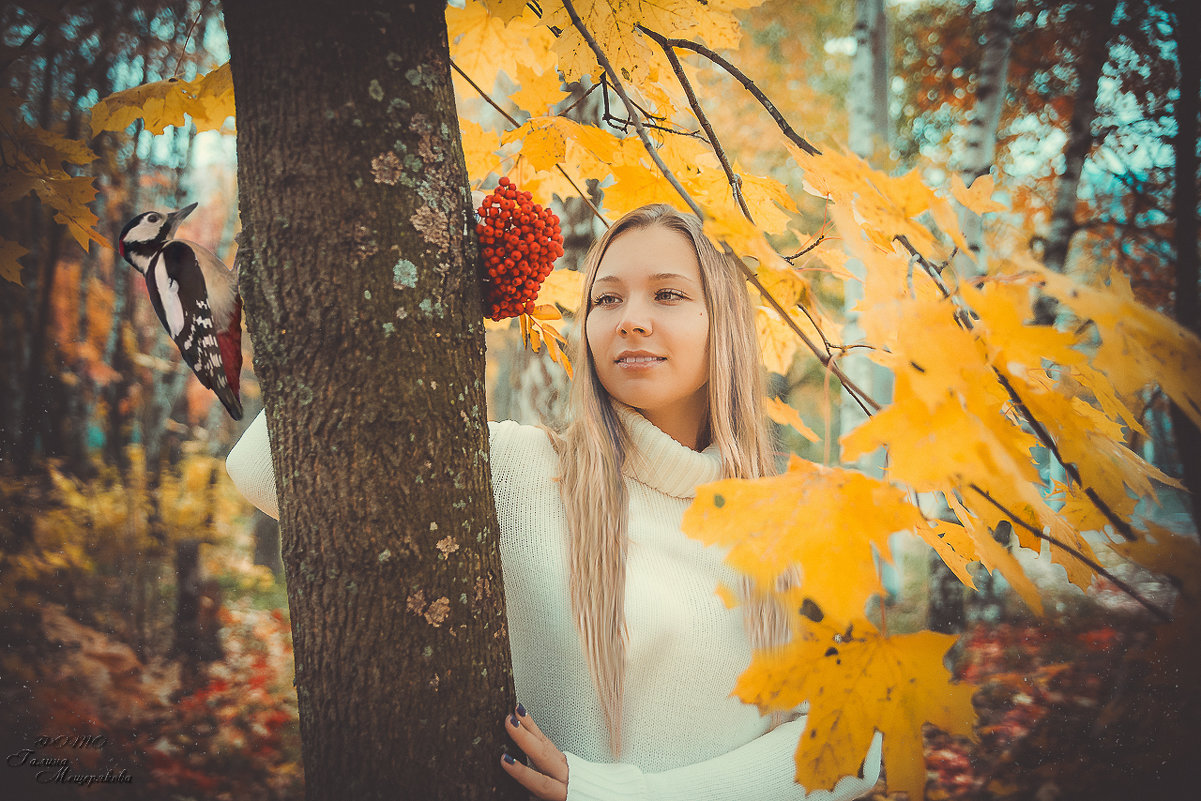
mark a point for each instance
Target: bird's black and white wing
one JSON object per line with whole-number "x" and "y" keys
{"x": 182, "y": 292}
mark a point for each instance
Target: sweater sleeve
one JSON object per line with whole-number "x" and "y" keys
{"x": 763, "y": 769}
{"x": 249, "y": 465}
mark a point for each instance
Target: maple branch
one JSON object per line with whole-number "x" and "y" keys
{"x": 603, "y": 60}
{"x": 516, "y": 125}
{"x": 624, "y": 124}
{"x": 1092, "y": 563}
{"x": 1044, "y": 436}
{"x": 678, "y": 68}
{"x": 859, "y": 396}
{"x": 964, "y": 315}
{"x": 746, "y": 82}
{"x": 581, "y": 99}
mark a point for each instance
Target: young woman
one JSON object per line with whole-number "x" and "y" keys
{"x": 622, "y": 651}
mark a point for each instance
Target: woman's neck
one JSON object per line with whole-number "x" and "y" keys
{"x": 686, "y": 423}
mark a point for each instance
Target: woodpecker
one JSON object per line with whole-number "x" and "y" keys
{"x": 195, "y": 297}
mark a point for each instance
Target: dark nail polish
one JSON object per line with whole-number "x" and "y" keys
{"x": 509, "y": 759}
{"x": 521, "y": 710}
{"x": 513, "y": 719}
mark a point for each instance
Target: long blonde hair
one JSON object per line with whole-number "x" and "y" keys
{"x": 593, "y": 447}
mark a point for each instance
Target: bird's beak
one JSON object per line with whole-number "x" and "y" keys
{"x": 176, "y": 217}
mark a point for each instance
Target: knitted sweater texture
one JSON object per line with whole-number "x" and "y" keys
{"x": 684, "y": 736}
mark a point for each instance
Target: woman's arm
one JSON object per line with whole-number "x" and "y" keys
{"x": 763, "y": 769}
{"x": 249, "y": 465}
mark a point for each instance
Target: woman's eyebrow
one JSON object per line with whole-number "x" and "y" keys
{"x": 612, "y": 279}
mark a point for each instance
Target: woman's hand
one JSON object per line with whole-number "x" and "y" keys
{"x": 548, "y": 778}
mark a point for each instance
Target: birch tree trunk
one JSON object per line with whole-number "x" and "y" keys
{"x": 980, "y": 139}
{"x": 867, "y": 106}
{"x": 868, "y": 100}
{"x": 362, "y": 298}
{"x": 1090, "y": 63}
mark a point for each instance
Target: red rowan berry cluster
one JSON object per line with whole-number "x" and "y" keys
{"x": 520, "y": 242}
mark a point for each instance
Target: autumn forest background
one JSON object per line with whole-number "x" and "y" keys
{"x": 143, "y": 599}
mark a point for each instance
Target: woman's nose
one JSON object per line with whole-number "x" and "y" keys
{"x": 634, "y": 318}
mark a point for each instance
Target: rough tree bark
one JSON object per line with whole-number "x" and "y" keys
{"x": 358, "y": 269}
{"x": 1188, "y": 305}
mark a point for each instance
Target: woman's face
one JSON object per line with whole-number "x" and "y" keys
{"x": 648, "y": 329}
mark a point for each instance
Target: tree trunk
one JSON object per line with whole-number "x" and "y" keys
{"x": 980, "y": 140}
{"x": 867, "y": 106}
{"x": 359, "y": 273}
{"x": 1188, "y": 305}
{"x": 1090, "y": 62}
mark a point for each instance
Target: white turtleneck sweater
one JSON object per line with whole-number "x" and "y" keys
{"x": 684, "y": 736}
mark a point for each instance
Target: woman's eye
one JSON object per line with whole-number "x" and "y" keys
{"x": 604, "y": 300}
{"x": 669, "y": 294}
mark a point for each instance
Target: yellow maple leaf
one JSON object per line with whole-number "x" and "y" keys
{"x": 634, "y": 186}
{"x": 548, "y": 141}
{"x": 10, "y": 268}
{"x": 783, "y": 282}
{"x": 208, "y": 99}
{"x": 614, "y": 26}
{"x": 992, "y": 554}
{"x": 948, "y": 222}
{"x": 778, "y": 344}
{"x": 505, "y": 9}
{"x": 214, "y": 95}
{"x": 69, "y": 197}
{"x": 978, "y": 197}
{"x": 479, "y": 149}
{"x": 1139, "y": 345}
{"x": 562, "y": 288}
{"x": 812, "y": 517}
{"x": 538, "y": 90}
{"x": 543, "y": 183}
{"x": 783, "y": 414}
{"x": 856, "y": 686}
{"x": 484, "y": 44}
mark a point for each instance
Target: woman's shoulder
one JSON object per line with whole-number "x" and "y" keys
{"x": 512, "y": 445}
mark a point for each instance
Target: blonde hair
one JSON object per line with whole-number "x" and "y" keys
{"x": 593, "y": 447}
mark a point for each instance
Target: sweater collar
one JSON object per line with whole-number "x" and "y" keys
{"x": 657, "y": 460}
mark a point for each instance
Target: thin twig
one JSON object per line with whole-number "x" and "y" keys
{"x": 184, "y": 50}
{"x": 856, "y": 393}
{"x": 816, "y": 327}
{"x": 581, "y": 99}
{"x": 624, "y": 124}
{"x": 678, "y": 68}
{"x": 746, "y": 82}
{"x": 790, "y": 259}
{"x": 584, "y": 196}
{"x": 34, "y": 34}
{"x": 487, "y": 98}
{"x": 516, "y": 124}
{"x": 1092, "y": 563}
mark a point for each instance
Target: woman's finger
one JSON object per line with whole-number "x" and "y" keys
{"x": 541, "y": 785}
{"x": 546, "y": 757}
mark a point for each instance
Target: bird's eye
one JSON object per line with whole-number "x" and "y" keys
{"x": 153, "y": 217}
